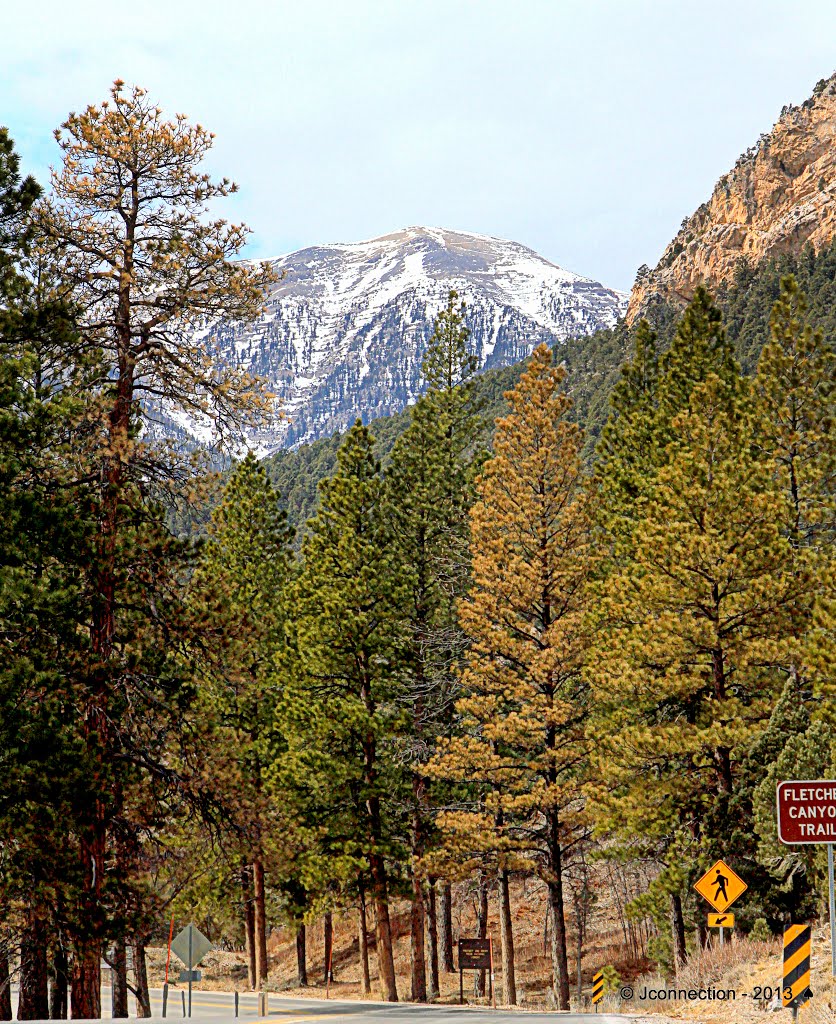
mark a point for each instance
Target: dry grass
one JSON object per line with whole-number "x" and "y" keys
{"x": 740, "y": 965}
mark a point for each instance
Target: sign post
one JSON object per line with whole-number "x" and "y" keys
{"x": 721, "y": 921}
{"x": 475, "y": 955}
{"x": 807, "y": 814}
{"x": 190, "y": 946}
{"x": 832, "y": 901}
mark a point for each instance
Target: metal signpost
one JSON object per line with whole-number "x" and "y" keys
{"x": 720, "y": 886}
{"x": 191, "y": 946}
{"x": 807, "y": 814}
{"x": 475, "y": 955}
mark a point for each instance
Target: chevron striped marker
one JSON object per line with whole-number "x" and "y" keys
{"x": 796, "y": 988}
{"x": 597, "y": 989}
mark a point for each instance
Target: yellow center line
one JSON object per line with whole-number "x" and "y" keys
{"x": 197, "y": 1004}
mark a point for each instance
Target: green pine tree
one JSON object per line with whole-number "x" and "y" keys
{"x": 429, "y": 490}
{"x": 242, "y": 584}
{"x": 694, "y": 627}
{"x": 343, "y": 723}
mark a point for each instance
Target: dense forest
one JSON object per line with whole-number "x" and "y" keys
{"x": 574, "y": 612}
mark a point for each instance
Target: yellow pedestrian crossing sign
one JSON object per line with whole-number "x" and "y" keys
{"x": 721, "y": 886}
{"x": 721, "y": 920}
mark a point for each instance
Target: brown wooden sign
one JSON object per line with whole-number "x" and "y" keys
{"x": 474, "y": 954}
{"x": 807, "y": 811}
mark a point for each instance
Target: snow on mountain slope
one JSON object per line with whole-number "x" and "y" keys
{"x": 345, "y": 328}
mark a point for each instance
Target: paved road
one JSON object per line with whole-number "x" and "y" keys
{"x": 218, "y": 1007}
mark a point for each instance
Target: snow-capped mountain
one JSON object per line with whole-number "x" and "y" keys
{"x": 345, "y": 328}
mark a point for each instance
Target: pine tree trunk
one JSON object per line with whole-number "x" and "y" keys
{"x": 119, "y": 982}
{"x": 702, "y": 935}
{"x": 722, "y": 754}
{"x": 578, "y": 963}
{"x": 677, "y": 931}
{"x": 58, "y": 984}
{"x": 432, "y": 932}
{"x": 481, "y": 930}
{"x": 377, "y": 866}
{"x": 385, "y": 953}
{"x": 5, "y": 984}
{"x": 506, "y": 925}
{"x": 33, "y": 1000}
{"x": 143, "y": 996}
{"x": 328, "y": 936}
{"x": 87, "y": 948}
{"x": 418, "y": 970}
{"x": 560, "y": 961}
{"x": 249, "y": 924}
{"x": 86, "y": 980}
{"x": 363, "y": 930}
{"x": 446, "y": 930}
{"x": 560, "y": 965}
{"x": 301, "y": 956}
{"x": 260, "y": 923}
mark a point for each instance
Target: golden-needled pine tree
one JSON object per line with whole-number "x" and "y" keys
{"x": 521, "y": 732}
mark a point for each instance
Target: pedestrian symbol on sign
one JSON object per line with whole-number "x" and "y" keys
{"x": 720, "y": 881}
{"x": 720, "y": 886}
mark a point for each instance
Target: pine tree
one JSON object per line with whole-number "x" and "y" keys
{"x": 344, "y": 720}
{"x": 43, "y": 537}
{"x": 693, "y": 629}
{"x": 794, "y": 388}
{"x": 521, "y": 732}
{"x": 700, "y": 348}
{"x": 242, "y": 583}
{"x": 429, "y": 488}
{"x": 628, "y": 454}
{"x": 125, "y": 232}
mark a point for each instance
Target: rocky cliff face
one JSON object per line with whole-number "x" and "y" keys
{"x": 346, "y": 327}
{"x": 779, "y": 196}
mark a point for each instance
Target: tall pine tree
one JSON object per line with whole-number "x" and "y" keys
{"x": 347, "y": 710}
{"x": 242, "y": 584}
{"x": 523, "y": 705}
{"x": 429, "y": 489}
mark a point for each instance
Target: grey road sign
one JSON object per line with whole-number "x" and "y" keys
{"x": 190, "y": 945}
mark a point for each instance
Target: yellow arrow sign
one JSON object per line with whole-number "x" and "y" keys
{"x": 721, "y": 920}
{"x": 721, "y": 886}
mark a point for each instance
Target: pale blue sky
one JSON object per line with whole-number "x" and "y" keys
{"x": 586, "y": 130}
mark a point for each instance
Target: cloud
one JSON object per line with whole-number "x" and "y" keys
{"x": 586, "y": 130}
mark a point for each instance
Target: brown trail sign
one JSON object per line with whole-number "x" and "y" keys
{"x": 475, "y": 955}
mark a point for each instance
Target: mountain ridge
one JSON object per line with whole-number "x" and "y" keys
{"x": 345, "y": 328}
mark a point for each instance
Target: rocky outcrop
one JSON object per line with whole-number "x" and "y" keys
{"x": 779, "y": 197}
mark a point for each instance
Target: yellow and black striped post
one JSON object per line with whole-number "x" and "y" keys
{"x": 796, "y": 987}
{"x": 597, "y": 989}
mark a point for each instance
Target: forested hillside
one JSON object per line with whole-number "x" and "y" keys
{"x": 552, "y": 649}
{"x": 593, "y": 366}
